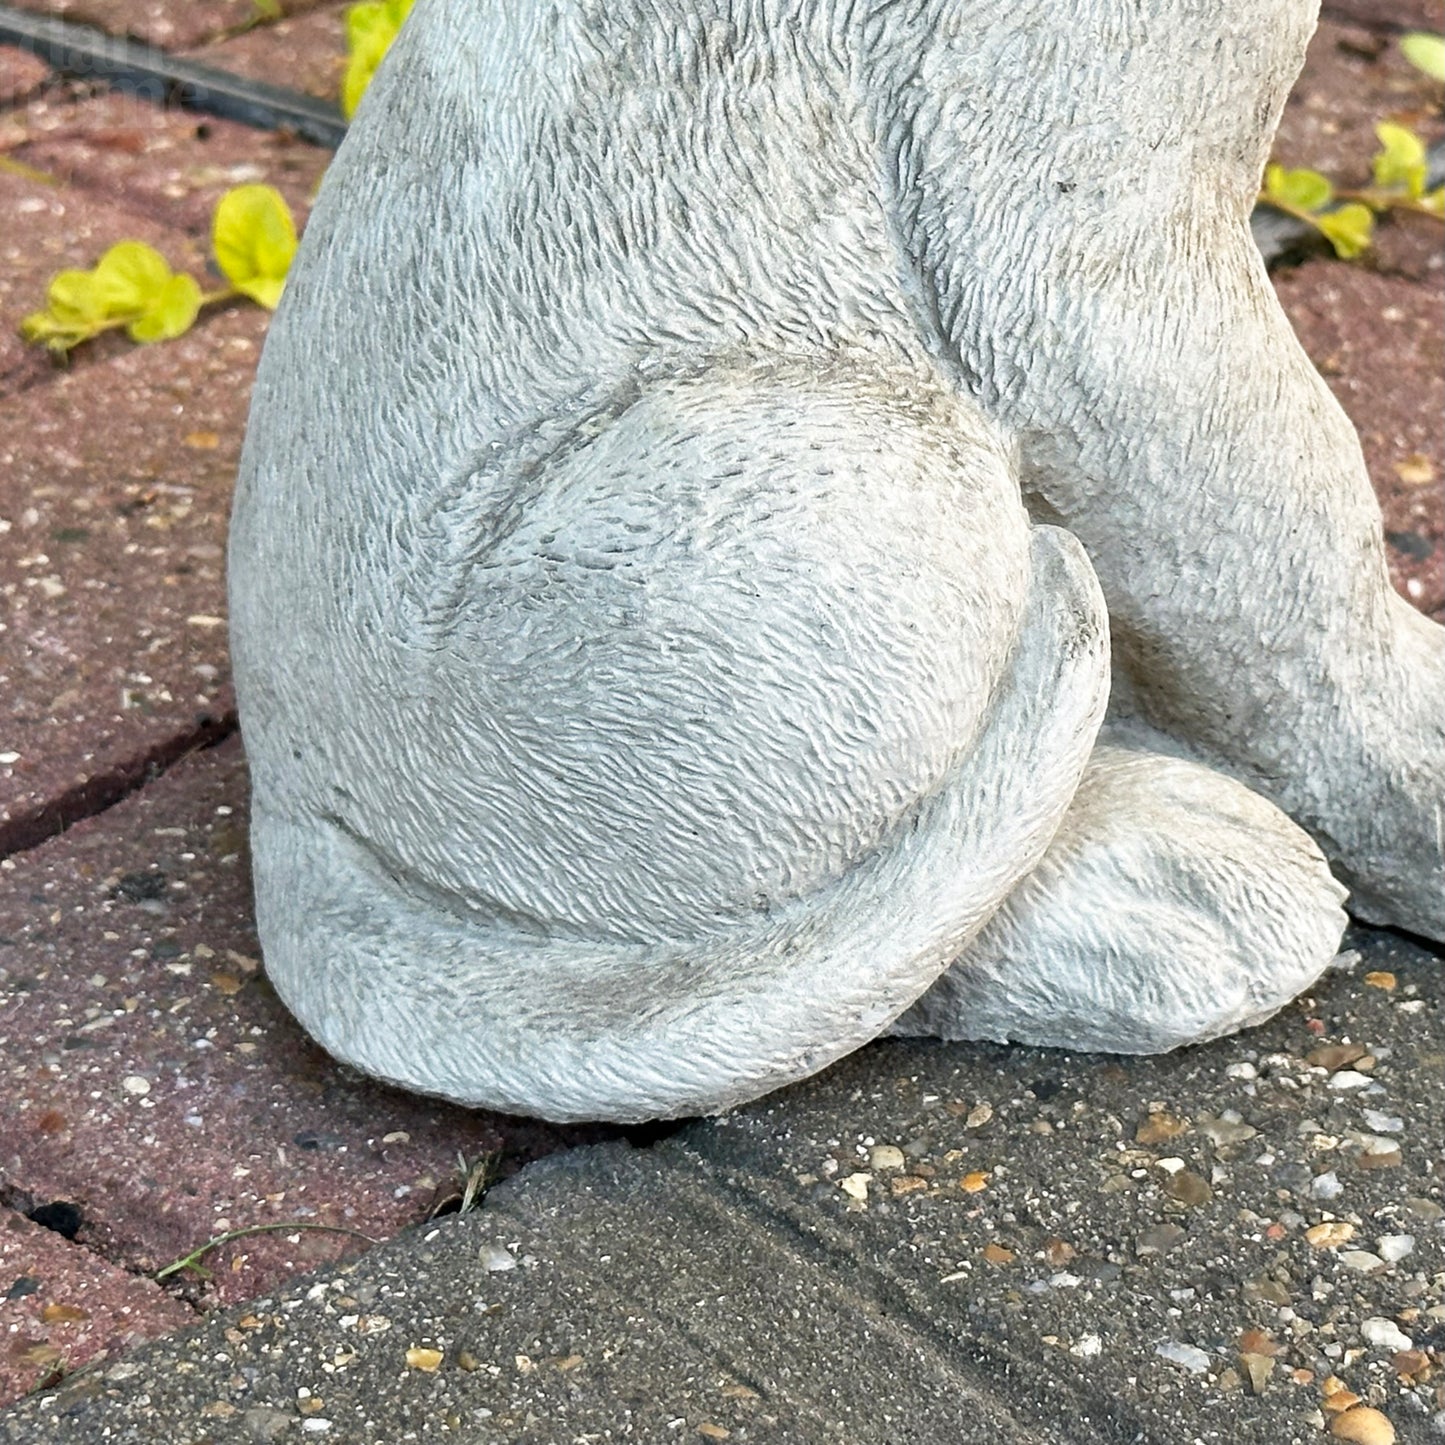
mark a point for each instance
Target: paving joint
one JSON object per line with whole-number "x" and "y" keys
{"x": 99, "y": 794}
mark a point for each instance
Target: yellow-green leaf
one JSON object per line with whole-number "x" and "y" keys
{"x": 254, "y": 239}
{"x": 74, "y": 300}
{"x": 1400, "y": 164}
{"x": 1302, "y": 190}
{"x": 1425, "y": 52}
{"x": 370, "y": 29}
{"x": 1349, "y": 229}
{"x": 52, "y": 331}
{"x": 128, "y": 277}
{"x": 170, "y": 311}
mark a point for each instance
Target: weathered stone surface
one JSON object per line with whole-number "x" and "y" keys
{"x": 61, "y": 1306}
{"x": 153, "y": 1079}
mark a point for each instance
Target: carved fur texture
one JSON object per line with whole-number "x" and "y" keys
{"x": 664, "y": 644}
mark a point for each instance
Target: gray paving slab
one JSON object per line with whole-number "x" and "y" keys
{"x": 928, "y": 1243}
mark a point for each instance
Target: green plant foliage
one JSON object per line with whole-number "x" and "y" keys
{"x": 1400, "y": 163}
{"x": 1349, "y": 230}
{"x": 132, "y": 286}
{"x": 254, "y": 238}
{"x": 370, "y": 29}
{"x": 1302, "y": 190}
{"x": 1305, "y": 194}
{"x": 1425, "y": 52}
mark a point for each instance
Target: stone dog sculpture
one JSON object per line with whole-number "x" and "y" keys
{"x": 702, "y": 460}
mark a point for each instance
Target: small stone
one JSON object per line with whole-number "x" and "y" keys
{"x": 1410, "y": 1363}
{"x": 1190, "y": 1357}
{"x": 1378, "y": 1159}
{"x": 975, "y": 1182}
{"x": 1415, "y": 470}
{"x": 1361, "y": 1261}
{"x": 1229, "y": 1380}
{"x": 1265, "y": 1291}
{"x": 467, "y": 1361}
{"x": 1425, "y": 1210}
{"x": 1347, "y": 1079}
{"x": 1335, "y": 1056}
{"x": 1364, "y": 1426}
{"x": 316, "y": 1425}
{"x": 997, "y": 1254}
{"x": 265, "y": 1425}
{"x": 855, "y": 1186}
{"x": 979, "y": 1115}
{"x": 495, "y": 1258}
{"x": 1059, "y": 1252}
{"x": 1326, "y": 1186}
{"x": 1394, "y": 1247}
{"x": 1258, "y": 1369}
{"x": 136, "y": 1085}
{"x": 902, "y": 1184}
{"x": 1258, "y": 1342}
{"x": 1330, "y": 1235}
{"x": 1158, "y": 1240}
{"x": 1242, "y": 1070}
{"x": 1227, "y": 1129}
{"x": 1086, "y": 1347}
{"x": 1386, "y": 1335}
{"x": 1158, "y": 1128}
{"x": 1384, "y": 1123}
{"x": 710, "y": 1431}
{"x": 886, "y": 1156}
{"x": 1189, "y": 1188}
{"x": 1381, "y": 979}
{"x": 419, "y": 1357}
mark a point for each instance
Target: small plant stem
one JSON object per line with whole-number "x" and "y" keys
{"x": 28, "y": 173}
{"x": 192, "y": 1260}
{"x": 1378, "y": 200}
{"x": 1298, "y": 212}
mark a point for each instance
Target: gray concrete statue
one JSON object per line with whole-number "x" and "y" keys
{"x": 701, "y": 465}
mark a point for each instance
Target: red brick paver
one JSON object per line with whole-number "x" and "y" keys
{"x": 154, "y": 1080}
{"x": 21, "y": 75}
{"x": 169, "y": 24}
{"x": 309, "y": 50}
{"x": 170, "y": 166}
{"x": 114, "y": 489}
{"x": 62, "y": 1306}
{"x": 1377, "y": 341}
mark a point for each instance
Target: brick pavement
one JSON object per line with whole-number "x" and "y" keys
{"x": 154, "y": 1084}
